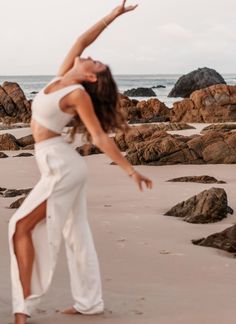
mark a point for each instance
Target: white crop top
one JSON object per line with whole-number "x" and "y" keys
{"x": 46, "y": 110}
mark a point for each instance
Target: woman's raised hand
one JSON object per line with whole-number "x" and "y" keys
{"x": 120, "y": 10}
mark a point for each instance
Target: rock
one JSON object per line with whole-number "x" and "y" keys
{"x": 156, "y": 119}
{"x": 140, "y": 92}
{"x": 225, "y": 240}
{"x": 6, "y": 127}
{"x": 197, "y": 179}
{"x": 14, "y": 106}
{"x": 219, "y": 127}
{"x": 16, "y": 192}
{"x": 207, "y": 207}
{"x": 152, "y": 147}
{"x": 17, "y": 95}
{"x": 216, "y": 104}
{"x": 28, "y": 147}
{"x": 88, "y": 149}
{"x": 23, "y": 155}
{"x": 3, "y": 155}
{"x": 146, "y": 111}
{"x": 141, "y": 133}
{"x": 7, "y": 105}
{"x": 25, "y": 140}
{"x": 195, "y": 80}
{"x": 159, "y": 86}
{"x": 8, "y": 142}
{"x": 17, "y": 203}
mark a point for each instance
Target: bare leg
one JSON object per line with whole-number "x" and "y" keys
{"x": 24, "y": 251}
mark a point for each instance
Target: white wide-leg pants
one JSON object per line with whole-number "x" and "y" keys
{"x": 63, "y": 186}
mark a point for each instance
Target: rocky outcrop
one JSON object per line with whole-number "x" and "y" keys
{"x": 225, "y": 240}
{"x": 216, "y": 104}
{"x": 219, "y": 127}
{"x": 207, "y": 207}
{"x": 151, "y": 110}
{"x": 88, "y": 149}
{"x": 197, "y": 179}
{"x": 195, "y": 80}
{"x": 9, "y": 142}
{"x": 13, "y": 104}
{"x": 140, "y": 92}
{"x": 150, "y": 147}
{"x": 141, "y": 133}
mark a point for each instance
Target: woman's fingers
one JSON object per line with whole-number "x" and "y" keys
{"x": 123, "y": 4}
{"x": 130, "y": 8}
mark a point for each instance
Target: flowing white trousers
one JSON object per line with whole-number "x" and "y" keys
{"x": 63, "y": 186}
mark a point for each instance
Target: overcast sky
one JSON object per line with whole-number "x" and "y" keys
{"x": 161, "y": 36}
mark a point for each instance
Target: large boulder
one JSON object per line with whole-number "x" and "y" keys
{"x": 8, "y": 142}
{"x": 225, "y": 240}
{"x": 7, "y": 105}
{"x": 14, "y": 107}
{"x": 195, "y": 80}
{"x": 140, "y": 92}
{"x": 209, "y": 206}
{"x": 216, "y": 104}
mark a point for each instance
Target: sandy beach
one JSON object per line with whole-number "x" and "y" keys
{"x": 151, "y": 271}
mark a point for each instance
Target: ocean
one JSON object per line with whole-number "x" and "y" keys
{"x": 33, "y": 83}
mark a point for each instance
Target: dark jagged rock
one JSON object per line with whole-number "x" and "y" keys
{"x": 197, "y": 179}
{"x": 159, "y": 86}
{"x": 28, "y": 147}
{"x": 23, "y": 155}
{"x": 16, "y": 192}
{"x": 225, "y": 240}
{"x": 219, "y": 127}
{"x": 207, "y": 207}
{"x": 3, "y": 155}
{"x": 196, "y": 80}
{"x": 140, "y": 92}
{"x": 88, "y": 149}
{"x": 25, "y": 140}
{"x": 17, "y": 203}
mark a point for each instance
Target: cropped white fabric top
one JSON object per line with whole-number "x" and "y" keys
{"x": 46, "y": 110}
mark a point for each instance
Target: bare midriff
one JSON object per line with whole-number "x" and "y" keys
{"x": 41, "y": 133}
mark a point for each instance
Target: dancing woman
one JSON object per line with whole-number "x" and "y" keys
{"x": 56, "y": 207}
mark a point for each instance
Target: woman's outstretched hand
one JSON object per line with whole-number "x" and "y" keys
{"x": 139, "y": 179}
{"x": 120, "y": 10}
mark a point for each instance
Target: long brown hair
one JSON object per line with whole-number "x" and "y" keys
{"x": 105, "y": 99}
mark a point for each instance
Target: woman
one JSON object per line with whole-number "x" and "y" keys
{"x": 56, "y": 207}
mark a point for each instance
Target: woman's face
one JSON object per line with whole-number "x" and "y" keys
{"x": 88, "y": 68}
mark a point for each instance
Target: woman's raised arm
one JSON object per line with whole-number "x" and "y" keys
{"x": 90, "y": 36}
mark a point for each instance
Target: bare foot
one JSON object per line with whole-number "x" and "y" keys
{"x": 20, "y": 318}
{"x": 70, "y": 311}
